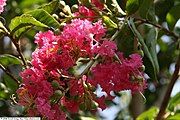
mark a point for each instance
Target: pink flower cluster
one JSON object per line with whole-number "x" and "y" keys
{"x": 2, "y": 4}
{"x": 50, "y": 88}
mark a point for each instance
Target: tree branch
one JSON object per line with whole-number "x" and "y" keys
{"x": 169, "y": 90}
{"x": 9, "y": 74}
{"x": 18, "y": 49}
{"x": 159, "y": 27}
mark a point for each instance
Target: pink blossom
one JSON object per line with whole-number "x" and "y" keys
{"x": 108, "y": 48}
{"x": 117, "y": 77}
{"x": 2, "y": 4}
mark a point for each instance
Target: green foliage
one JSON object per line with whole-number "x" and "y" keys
{"x": 44, "y": 17}
{"x": 149, "y": 114}
{"x": 149, "y": 53}
{"x": 50, "y": 7}
{"x": 132, "y": 6}
{"x": 173, "y": 16}
{"x": 174, "y": 102}
{"x": 174, "y": 117}
{"x": 8, "y": 60}
{"x": 22, "y": 23}
{"x": 125, "y": 41}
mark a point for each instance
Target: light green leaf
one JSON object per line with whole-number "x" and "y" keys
{"x": 50, "y": 7}
{"x": 7, "y": 60}
{"x": 109, "y": 23}
{"x": 175, "y": 101}
{"x": 173, "y": 16}
{"x": 44, "y": 17}
{"x": 132, "y": 6}
{"x": 174, "y": 117}
{"x": 20, "y": 24}
{"x": 149, "y": 114}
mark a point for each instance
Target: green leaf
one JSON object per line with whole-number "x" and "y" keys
{"x": 173, "y": 16}
{"x": 147, "y": 10}
{"x": 162, "y": 7}
{"x": 20, "y": 24}
{"x": 4, "y": 93}
{"x": 125, "y": 41}
{"x": 50, "y": 7}
{"x": 115, "y": 8}
{"x": 174, "y": 117}
{"x": 149, "y": 114}
{"x": 146, "y": 50}
{"x": 109, "y": 23}
{"x": 132, "y": 6}
{"x": 175, "y": 101}
{"x": 7, "y": 60}
{"x": 151, "y": 41}
{"x": 45, "y": 18}
{"x": 10, "y": 84}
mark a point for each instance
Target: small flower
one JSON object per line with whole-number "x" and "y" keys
{"x": 2, "y": 4}
{"x": 108, "y": 48}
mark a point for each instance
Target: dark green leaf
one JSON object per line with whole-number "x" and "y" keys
{"x": 125, "y": 41}
{"x": 20, "y": 24}
{"x": 146, "y": 50}
{"x": 175, "y": 101}
{"x": 162, "y": 7}
{"x": 147, "y": 10}
{"x": 132, "y": 6}
{"x": 173, "y": 16}
{"x": 45, "y": 18}
{"x": 7, "y": 60}
{"x": 149, "y": 114}
{"x": 151, "y": 41}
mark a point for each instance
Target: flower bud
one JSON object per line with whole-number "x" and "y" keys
{"x": 55, "y": 84}
{"x": 67, "y": 10}
{"x": 58, "y": 94}
{"x": 140, "y": 52}
{"x": 74, "y": 8}
{"x": 142, "y": 68}
{"x": 62, "y": 4}
{"x": 55, "y": 16}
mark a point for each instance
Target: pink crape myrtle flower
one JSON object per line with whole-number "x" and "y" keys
{"x": 2, "y": 4}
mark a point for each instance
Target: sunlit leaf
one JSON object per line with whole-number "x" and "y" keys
{"x": 20, "y": 24}
{"x": 44, "y": 17}
{"x": 174, "y": 117}
{"x": 173, "y": 16}
{"x": 149, "y": 114}
{"x": 7, "y": 60}
{"x": 175, "y": 101}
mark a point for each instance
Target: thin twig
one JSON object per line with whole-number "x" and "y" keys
{"x": 159, "y": 27}
{"x": 9, "y": 74}
{"x": 169, "y": 90}
{"x": 18, "y": 48}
